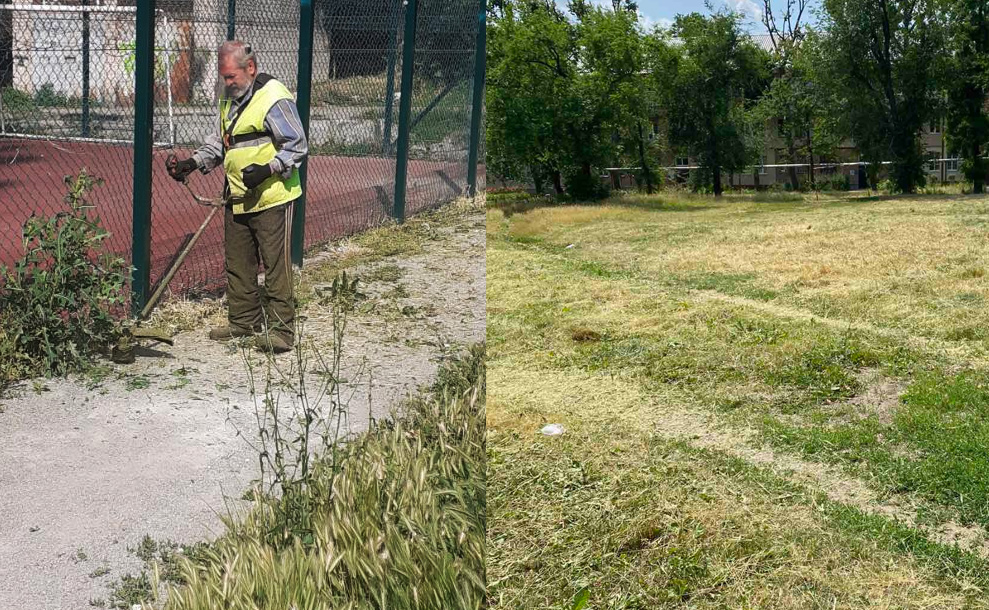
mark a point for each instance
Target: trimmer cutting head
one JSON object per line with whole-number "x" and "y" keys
{"x": 123, "y": 351}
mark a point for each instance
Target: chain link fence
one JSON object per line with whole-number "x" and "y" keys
{"x": 67, "y": 77}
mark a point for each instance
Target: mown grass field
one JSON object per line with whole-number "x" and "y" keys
{"x": 769, "y": 402}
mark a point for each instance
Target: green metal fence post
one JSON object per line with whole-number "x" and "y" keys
{"x": 478, "y": 99}
{"x": 405, "y": 107}
{"x": 85, "y": 71}
{"x": 231, "y": 18}
{"x": 304, "y": 102}
{"x": 390, "y": 88}
{"x": 143, "y": 141}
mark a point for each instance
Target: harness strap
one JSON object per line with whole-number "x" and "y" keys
{"x": 233, "y": 141}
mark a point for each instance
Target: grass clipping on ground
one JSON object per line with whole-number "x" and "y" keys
{"x": 623, "y": 321}
{"x": 399, "y": 524}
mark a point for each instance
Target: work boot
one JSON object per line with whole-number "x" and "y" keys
{"x": 275, "y": 344}
{"x": 225, "y": 333}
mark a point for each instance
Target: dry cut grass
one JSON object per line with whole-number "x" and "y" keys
{"x": 638, "y": 522}
{"x": 899, "y": 262}
{"x": 820, "y": 327}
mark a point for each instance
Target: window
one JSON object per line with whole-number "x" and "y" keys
{"x": 932, "y": 161}
{"x": 951, "y": 165}
{"x": 681, "y": 162}
{"x": 762, "y": 166}
{"x": 935, "y": 127}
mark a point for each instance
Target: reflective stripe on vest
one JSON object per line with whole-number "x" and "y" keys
{"x": 251, "y": 144}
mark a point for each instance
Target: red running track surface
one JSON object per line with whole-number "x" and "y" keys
{"x": 344, "y": 195}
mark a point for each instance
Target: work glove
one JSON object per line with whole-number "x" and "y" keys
{"x": 179, "y": 170}
{"x": 255, "y": 174}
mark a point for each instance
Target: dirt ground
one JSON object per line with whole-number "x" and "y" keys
{"x": 90, "y": 466}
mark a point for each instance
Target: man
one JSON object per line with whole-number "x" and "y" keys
{"x": 261, "y": 144}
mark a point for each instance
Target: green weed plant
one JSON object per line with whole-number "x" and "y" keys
{"x": 392, "y": 519}
{"x": 60, "y": 303}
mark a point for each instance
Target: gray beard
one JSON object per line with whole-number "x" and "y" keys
{"x": 236, "y": 92}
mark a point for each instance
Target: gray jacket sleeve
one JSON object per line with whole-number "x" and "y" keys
{"x": 290, "y": 139}
{"x": 210, "y": 154}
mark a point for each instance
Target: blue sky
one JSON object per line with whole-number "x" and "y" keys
{"x": 663, "y": 11}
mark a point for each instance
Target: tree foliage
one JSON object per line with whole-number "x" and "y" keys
{"x": 567, "y": 92}
{"x": 719, "y": 76}
{"x": 531, "y": 65}
{"x": 967, "y": 88}
{"x": 884, "y": 57}
{"x": 577, "y": 89}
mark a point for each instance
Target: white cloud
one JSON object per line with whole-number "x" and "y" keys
{"x": 648, "y": 23}
{"x": 748, "y": 8}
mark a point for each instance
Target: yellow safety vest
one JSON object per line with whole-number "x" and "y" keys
{"x": 246, "y": 143}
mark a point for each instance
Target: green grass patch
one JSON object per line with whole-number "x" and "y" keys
{"x": 826, "y": 370}
{"x": 739, "y": 284}
{"x": 629, "y": 521}
{"x": 932, "y": 444}
{"x": 945, "y": 419}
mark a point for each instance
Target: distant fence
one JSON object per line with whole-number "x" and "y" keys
{"x": 851, "y": 176}
{"x": 392, "y": 93}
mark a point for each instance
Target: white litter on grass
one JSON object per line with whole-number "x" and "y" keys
{"x": 570, "y": 246}
{"x": 552, "y": 430}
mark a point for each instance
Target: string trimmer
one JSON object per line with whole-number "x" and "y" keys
{"x": 131, "y": 331}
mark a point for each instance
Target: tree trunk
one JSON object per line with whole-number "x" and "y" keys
{"x": 794, "y": 181}
{"x": 642, "y": 162}
{"x": 557, "y": 182}
{"x": 978, "y": 183}
{"x": 585, "y": 170}
{"x": 537, "y": 179}
{"x": 717, "y": 180}
{"x": 810, "y": 159}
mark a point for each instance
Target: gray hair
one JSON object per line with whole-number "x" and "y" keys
{"x": 240, "y": 51}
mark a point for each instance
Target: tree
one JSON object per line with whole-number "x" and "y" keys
{"x": 531, "y": 60}
{"x": 827, "y": 122}
{"x": 562, "y": 90}
{"x": 719, "y": 76}
{"x": 615, "y": 91}
{"x": 884, "y": 56}
{"x": 968, "y": 126}
{"x": 789, "y": 101}
{"x": 800, "y": 101}
{"x": 660, "y": 63}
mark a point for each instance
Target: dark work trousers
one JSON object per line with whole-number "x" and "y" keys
{"x": 266, "y": 234}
